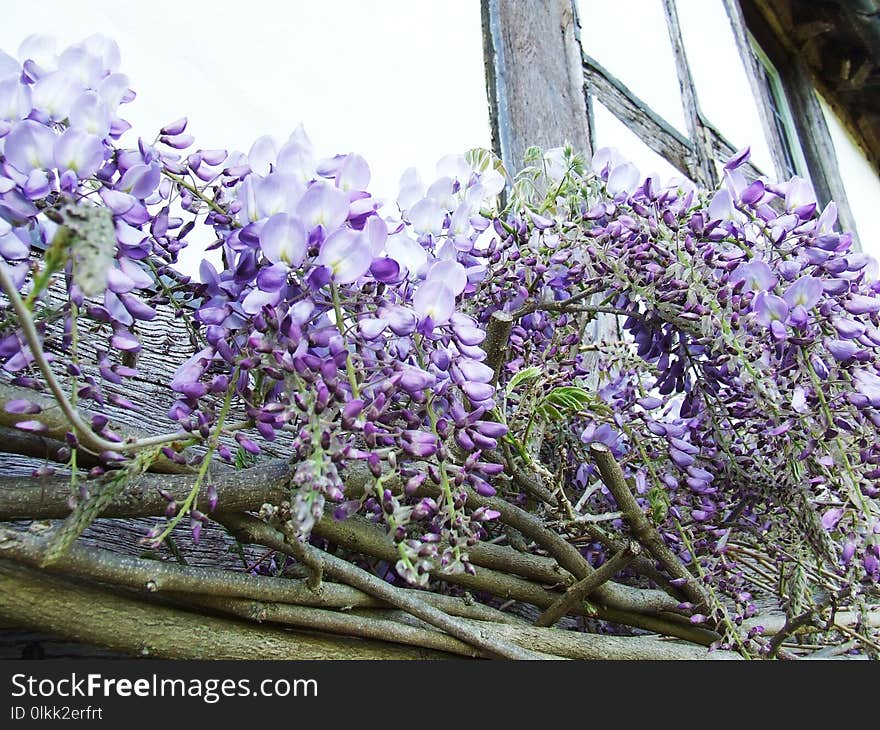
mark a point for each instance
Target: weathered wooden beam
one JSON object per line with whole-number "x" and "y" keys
{"x": 723, "y": 149}
{"x": 759, "y": 88}
{"x": 534, "y": 78}
{"x": 703, "y": 161}
{"x": 655, "y": 132}
{"x": 766, "y": 24}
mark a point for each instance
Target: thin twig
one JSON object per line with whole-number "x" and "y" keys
{"x": 583, "y": 588}
{"x": 305, "y": 556}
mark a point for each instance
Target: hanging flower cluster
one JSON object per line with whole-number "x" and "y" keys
{"x": 741, "y": 394}
{"x": 724, "y": 345}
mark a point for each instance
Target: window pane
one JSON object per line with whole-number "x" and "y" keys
{"x": 630, "y": 39}
{"x": 723, "y": 90}
{"x": 860, "y": 180}
{"x": 611, "y": 132}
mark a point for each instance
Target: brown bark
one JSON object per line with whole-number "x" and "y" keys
{"x": 94, "y": 616}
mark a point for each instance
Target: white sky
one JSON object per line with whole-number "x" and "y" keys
{"x": 399, "y": 81}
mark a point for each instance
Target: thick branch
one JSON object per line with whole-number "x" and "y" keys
{"x": 154, "y": 576}
{"x": 370, "y": 540}
{"x": 401, "y": 627}
{"x": 576, "y": 645}
{"x": 361, "y": 536}
{"x": 89, "y": 615}
{"x": 612, "y": 476}
{"x": 248, "y": 489}
{"x": 254, "y": 530}
{"x": 38, "y": 446}
{"x": 641, "y": 564}
{"x": 495, "y": 344}
{"x": 569, "y": 557}
{"x": 336, "y": 622}
{"x": 24, "y": 497}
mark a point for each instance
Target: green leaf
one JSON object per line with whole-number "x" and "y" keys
{"x": 569, "y": 397}
{"x": 481, "y": 159}
{"x": 522, "y": 376}
{"x": 548, "y": 411}
{"x": 533, "y": 155}
{"x": 658, "y": 500}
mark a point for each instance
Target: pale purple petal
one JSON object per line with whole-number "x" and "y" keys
{"x": 283, "y": 239}
{"x": 301, "y": 311}
{"x": 20, "y": 406}
{"x": 30, "y": 146}
{"x": 347, "y": 254}
{"x": 860, "y": 304}
{"x": 722, "y": 207}
{"x": 262, "y": 155}
{"x": 847, "y": 328}
{"x": 141, "y": 279}
{"x": 842, "y": 350}
{"x": 868, "y": 384}
{"x": 371, "y": 327}
{"x": 89, "y": 113}
{"x": 805, "y": 292}
{"x": 297, "y": 156}
{"x": 55, "y": 93}
{"x": 476, "y": 371}
{"x": 401, "y": 320}
{"x": 15, "y": 99}
{"x": 137, "y": 307}
{"x": 376, "y": 231}
{"x": 323, "y": 205}
{"x": 257, "y": 299}
{"x": 756, "y": 274}
{"x": 623, "y": 179}
{"x": 33, "y": 426}
{"x": 191, "y": 370}
{"x": 436, "y": 300}
{"x": 272, "y": 278}
{"x": 831, "y": 517}
{"x": 450, "y": 273}
{"x": 427, "y": 216}
{"x": 13, "y": 248}
{"x": 81, "y": 152}
{"x": 118, "y": 281}
{"x": 140, "y": 180}
{"x": 276, "y": 193}
{"x": 478, "y": 392}
{"x": 769, "y": 308}
{"x": 125, "y": 341}
{"x": 407, "y": 252}
{"x": 799, "y": 194}
{"x": 354, "y": 173}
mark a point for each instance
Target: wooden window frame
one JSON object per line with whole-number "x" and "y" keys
{"x": 542, "y": 85}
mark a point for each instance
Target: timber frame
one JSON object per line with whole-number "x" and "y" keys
{"x": 530, "y": 47}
